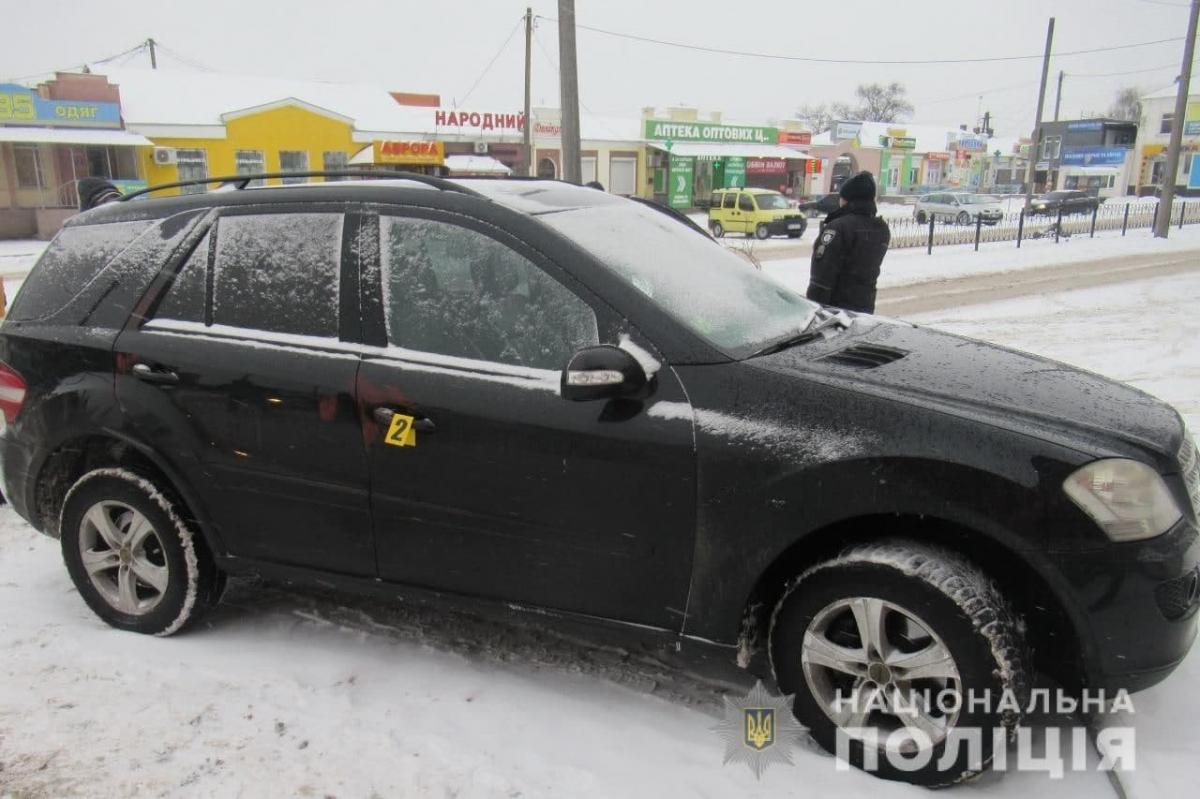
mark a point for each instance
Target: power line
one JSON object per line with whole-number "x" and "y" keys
{"x": 809, "y": 59}
{"x": 499, "y": 52}
{"x": 178, "y": 56}
{"x": 136, "y": 47}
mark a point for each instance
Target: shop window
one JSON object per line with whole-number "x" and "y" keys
{"x": 622, "y": 175}
{"x": 124, "y": 163}
{"x": 250, "y": 162}
{"x": 293, "y": 161}
{"x": 98, "y": 164}
{"x": 1167, "y": 122}
{"x": 192, "y": 165}
{"x": 29, "y": 166}
{"x": 334, "y": 161}
{"x": 546, "y": 169}
{"x": 914, "y": 173}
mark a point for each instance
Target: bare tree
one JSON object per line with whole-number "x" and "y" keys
{"x": 822, "y": 117}
{"x": 879, "y": 103}
{"x": 1127, "y": 104}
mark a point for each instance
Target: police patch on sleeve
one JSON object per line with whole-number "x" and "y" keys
{"x": 826, "y": 237}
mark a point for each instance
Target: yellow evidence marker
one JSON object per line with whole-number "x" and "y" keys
{"x": 400, "y": 432}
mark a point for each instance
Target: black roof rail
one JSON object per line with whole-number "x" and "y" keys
{"x": 242, "y": 181}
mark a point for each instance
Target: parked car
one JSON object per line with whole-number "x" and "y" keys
{"x": 824, "y": 205}
{"x": 960, "y": 207}
{"x": 532, "y": 399}
{"x": 761, "y": 213}
{"x": 1068, "y": 201}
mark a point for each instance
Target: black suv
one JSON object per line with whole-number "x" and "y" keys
{"x": 526, "y": 396}
{"x": 1067, "y": 201}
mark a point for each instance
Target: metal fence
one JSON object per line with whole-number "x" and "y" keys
{"x": 1020, "y": 226}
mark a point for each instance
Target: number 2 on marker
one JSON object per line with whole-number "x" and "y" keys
{"x": 400, "y": 432}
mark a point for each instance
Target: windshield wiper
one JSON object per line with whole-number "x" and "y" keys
{"x": 820, "y": 326}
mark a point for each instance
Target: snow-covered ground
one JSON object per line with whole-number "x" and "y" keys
{"x": 908, "y": 266}
{"x": 288, "y": 693}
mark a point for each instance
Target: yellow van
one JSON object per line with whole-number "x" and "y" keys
{"x": 761, "y": 213}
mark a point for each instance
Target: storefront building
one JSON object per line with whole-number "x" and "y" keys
{"x": 1154, "y": 133}
{"x": 1094, "y": 155}
{"x": 51, "y": 136}
{"x": 689, "y": 156}
{"x": 611, "y": 151}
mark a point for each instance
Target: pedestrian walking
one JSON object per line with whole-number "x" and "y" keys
{"x": 849, "y": 249}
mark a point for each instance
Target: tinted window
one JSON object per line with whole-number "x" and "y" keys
{"x": 730, "y": 199}
{"x": 185, "y": 299}
{"x": 278, "y": 272}
{"x": 745, "y": 203}
{"x": 73, "y": 259}
{"x": 453, "y": 291}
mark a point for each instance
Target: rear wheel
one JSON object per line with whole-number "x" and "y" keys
{"x": 921, "y": 218}
{"x": 878, "y": 642}
{"x": 963, "y": 218}
{"x": 762, "y": 232}
{"x": 134, "y": 561}
{"x": 718, "y": 230}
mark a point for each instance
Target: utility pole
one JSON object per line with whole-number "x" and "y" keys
{"x": 528, "y": 80}
{"x": 1162, "y": 222}
{"x": 1036, "y": 145}
{"x": 154, "y": 57}
{"x": 568, "y": 80}
{"x": 1058, "y": 95}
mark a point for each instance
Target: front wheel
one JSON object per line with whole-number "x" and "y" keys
{"x": 921, "y": 218}
{"x": 133, "y": 559}
{"x": 877, "y": 643}
{"x": 963, "y": 218}
{"x": 717, "y": 229}
{"x": 762, "y": 232}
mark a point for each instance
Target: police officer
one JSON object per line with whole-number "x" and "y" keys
{"x": 849, "y": 249}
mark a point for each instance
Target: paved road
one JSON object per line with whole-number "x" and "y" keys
{"x": 935, "y": 295}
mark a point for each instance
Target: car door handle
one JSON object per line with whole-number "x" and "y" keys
{"x": 149, "y": 374}
{"x": 421, "y": 424}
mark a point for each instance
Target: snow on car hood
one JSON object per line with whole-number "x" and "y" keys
{"x": 1014, "y": 389}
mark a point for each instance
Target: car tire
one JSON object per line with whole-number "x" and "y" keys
{"x": 925, "y": 602}
{"x": 762, "y": 232}
{"x": 963, "y": 218}
{"x": 921, "y": 218}
{"x": 717, "y": 229}
{"x": 134, "y": 560}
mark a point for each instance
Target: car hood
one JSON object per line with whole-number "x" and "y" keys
{"x": 1011, "y": 389}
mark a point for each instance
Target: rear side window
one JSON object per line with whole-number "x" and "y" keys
{"x": 74, "y": 258}
{"x": 279, "y": 273}
{"x": 185, "y": 300}
{"x": 730, "y": 199}
{"x": 745, "y": 203}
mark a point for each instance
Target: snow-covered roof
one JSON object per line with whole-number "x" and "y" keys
{"x": 117, "y": 138}
{"x": 475, "y": 165}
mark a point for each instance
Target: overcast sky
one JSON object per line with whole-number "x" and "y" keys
{"x": 444, "y": 47}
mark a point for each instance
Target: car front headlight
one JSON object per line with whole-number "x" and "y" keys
{"x": 1127, "y": 498}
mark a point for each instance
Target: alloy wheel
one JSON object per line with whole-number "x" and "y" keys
{"x": 123, "y": 557}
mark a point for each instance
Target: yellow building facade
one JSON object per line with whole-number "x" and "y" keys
{"x": 286, "y": 136}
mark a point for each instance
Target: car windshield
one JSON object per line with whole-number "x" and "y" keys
{"x": 699, "y": 283}
{"x": 770, "y": 202}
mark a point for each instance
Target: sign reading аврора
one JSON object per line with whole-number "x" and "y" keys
{"x": 709, "y": 131}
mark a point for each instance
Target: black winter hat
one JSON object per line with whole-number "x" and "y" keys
{"x": 859, "y": 187}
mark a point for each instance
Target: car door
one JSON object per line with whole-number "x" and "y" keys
{"x": 730, "y": 213}
{"x": 745, "y": 212}
{"x": 243, "y": 377}
{"x": 506, "y": 490}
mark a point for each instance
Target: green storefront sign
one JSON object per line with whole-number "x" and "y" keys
{"x": 735, "y": 172}
{"x": 679, "y": 192}
{"x": 663, "y": 129}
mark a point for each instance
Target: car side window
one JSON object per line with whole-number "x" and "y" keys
{"x": 450, "y": 290}
{"x": 730, "y": 199}
{"x": 745, "y": 203}
{"x": 278, "y": 273}
{"x": 185, "y": 299}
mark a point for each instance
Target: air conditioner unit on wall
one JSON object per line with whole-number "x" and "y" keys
{"x": 481, "y": 148}
{"x": 164, "y": 156}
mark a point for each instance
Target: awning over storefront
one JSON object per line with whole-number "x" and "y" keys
{"x": 712, "y": 152}
{"x": 475, "y": 165}
{"x": 100, "y": 138}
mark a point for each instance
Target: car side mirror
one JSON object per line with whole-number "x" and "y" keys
{"x": 602, "y": 372}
